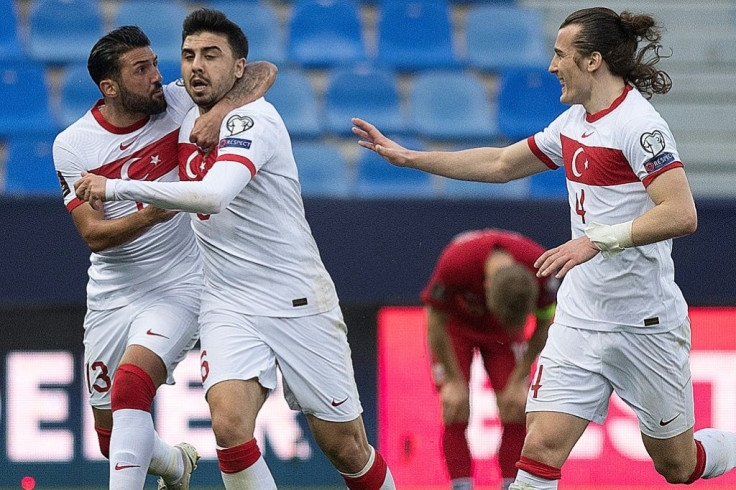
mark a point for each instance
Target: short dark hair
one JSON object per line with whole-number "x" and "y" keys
{"x": 210, "y": 20}
{"x": 616, "y": 37}
{"x": 514, "y": 294}
{"x": 104, "y": 59}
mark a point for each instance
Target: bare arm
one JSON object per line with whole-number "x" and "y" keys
{"x": 101, "y": 234}
{"x": 453, "y": 387}
{"x": 673, "y": 215}
{"x": 479, "y": 164}
{"x": 258, "y": 78}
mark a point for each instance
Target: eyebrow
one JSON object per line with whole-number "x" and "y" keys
{"x": 204, "y": 49}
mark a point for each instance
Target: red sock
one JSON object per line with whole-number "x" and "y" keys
{"x": 372, "y": 479}
{"x": 539, "y": 469}
{"x": 699, "y": 464}
{"x": 103, "y": 436}
{"x": 133, "y": 388}
{"x": 236, "y": 459}
{"x": 457, "y": 453}
{"x": 509, "y": 450}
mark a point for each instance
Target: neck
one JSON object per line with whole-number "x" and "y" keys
{"x": 117, "y": 116}
{"x": 604, "y": 92}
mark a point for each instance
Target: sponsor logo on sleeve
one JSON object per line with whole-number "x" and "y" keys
{"x": 235, "y": 143}
{"x": 658, "y": 162}
{"x": 239, "y": 124}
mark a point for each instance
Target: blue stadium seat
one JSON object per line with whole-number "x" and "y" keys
{"x": 161, "y": 21}
{"x": 415, "y": 35}
{"x": 369, "y": 93}
{"x": 322, "y": 170}
{"x": 293, "y": 96}
{"x": 528, "y": 100}
{"x": 379, "y": 179}
{"x": 10, "y": 46}
{"x": 25, "y": 99}
{"x": 451, "y": 106}
{"x": 462, "y": 189}
{"x": 78, "y": 94}
{"x": 550, "y": 184}
{"x": 261, "y": 26}
{"x": 170, "y": 70}
{"x": 63, "y": 31}
{"x": 505, "y": 36}
{"x": 325, "y": 33}
{"x": 29, "y": 167}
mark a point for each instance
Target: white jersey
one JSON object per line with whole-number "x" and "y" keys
{"x": 147, "y": 150}
{"x": 258, "y": 251}
{"x": 610, "y": 158}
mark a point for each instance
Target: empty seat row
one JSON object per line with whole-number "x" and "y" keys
{"x": 441, "y": 105}
{"x": 411, "y": 35}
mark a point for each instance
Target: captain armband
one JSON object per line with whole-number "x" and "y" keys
{"x": 546, "y": 312}
{"x": 610, "y": 239}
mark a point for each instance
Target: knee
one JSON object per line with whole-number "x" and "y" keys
{"x": 348, "y": 454}
{"x": 674, "y": 471}
{"x": 229, "y": 427}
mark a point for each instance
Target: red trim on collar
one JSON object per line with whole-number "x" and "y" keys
{"x": 111, "y": 127}
{"x": 594, "y": 117}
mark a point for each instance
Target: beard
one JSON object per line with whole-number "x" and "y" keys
{"x": 147, "y": 105}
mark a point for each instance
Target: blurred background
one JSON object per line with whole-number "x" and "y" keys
{"x": 434, "y": 74}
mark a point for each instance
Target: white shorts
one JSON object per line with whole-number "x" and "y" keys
{"x": 164, "y": 321}
{"x": 312, "y": 353}
{"x": 579, "y": 369}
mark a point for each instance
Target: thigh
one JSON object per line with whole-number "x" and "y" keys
{"x": 568, "y": 378}
{"x": 651, "y": 374}
{"x": 551, "y": 436}
{"x": 676, "y": 451}
{"x": 233, "y": 349}
{"x": 315, "y": 361}
{"x": 234, "y": 406}
{"x": 500, "y": 359}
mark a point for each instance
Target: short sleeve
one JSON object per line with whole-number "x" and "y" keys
{"x": 547, "y": 144}
{"x": 68, "y": 169}
{"x": 245, "y": 138}
{"x": 650, "y": 147}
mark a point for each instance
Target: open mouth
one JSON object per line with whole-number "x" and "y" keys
{"x": 198, "y": 85}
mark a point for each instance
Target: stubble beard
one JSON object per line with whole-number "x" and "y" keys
{"x": 139, "y": 104}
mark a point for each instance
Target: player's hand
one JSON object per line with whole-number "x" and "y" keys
{"x": 158, "y": 215}
{"x": 373, "y": 139}
{"x": 565, "y": 257}
{"x": 455, "y": 401}
{"x": 512, "y": 402}
{"x": 91, "y": 188}
{"x": 206, "y": 131}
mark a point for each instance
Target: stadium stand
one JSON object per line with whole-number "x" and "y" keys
{"x": 10, "y": 45}
{"x": 451, "y": 105}
{"x": 371, "y": 93}
{"x": 322, "y": 170}
{"x": 378, "y": 180}
{"x": 78, "y": 94}
{"x": 528, "y": 100}
{"x": 461, "y": 189}
{"x": 294, "y": 97}
{"x": 260, "y": 24}
{"x": 29, "y": 168}
{"x": 415, "y": 35}
{"x": 550, "y": 184}
{"x": 500, "y": 36}
{"x": 324, "y": 33}
{"x": 63, "y": 31}
{"x": 161, "y": 21}
{"x": 24, "y": 94}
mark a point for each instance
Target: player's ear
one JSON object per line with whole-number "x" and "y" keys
{"x": 240, "y": 68}
{"x": 594, "y": 61}
{"x": 109, "y": 88}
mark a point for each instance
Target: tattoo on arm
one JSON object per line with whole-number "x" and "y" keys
{"x": 258, "y": 78}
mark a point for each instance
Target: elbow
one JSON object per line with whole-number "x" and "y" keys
{"x": 690, "y": 223}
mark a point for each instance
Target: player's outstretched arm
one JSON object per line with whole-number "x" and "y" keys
{"x": 479, "y": 164}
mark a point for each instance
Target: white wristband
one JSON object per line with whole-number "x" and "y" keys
{"x": 610, "y": 239}
{"x": 110, "y": 187}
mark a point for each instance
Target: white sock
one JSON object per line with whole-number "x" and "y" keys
{"x": 131, "y": 447}
{"x": 527, "y": 481}
{"x": 462, "y": 484}
{"x": 255, "y": 477}
{"x": 720, "y": 451}
{"x": 166, "y": 461}
{"x": 506, "y": 483}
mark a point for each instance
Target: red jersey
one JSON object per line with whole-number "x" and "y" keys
{"x": 456, "y": 285}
